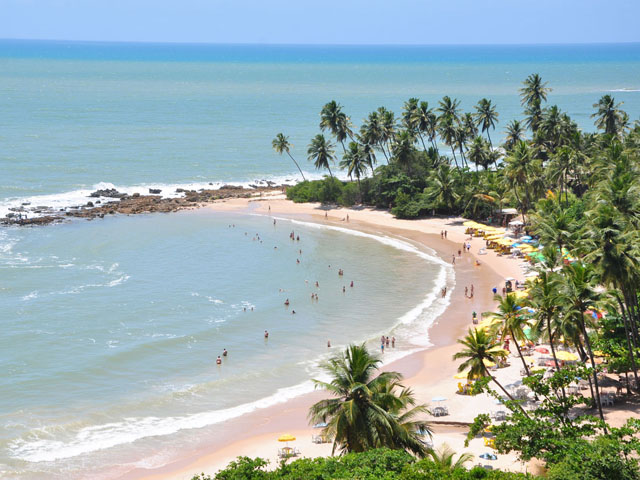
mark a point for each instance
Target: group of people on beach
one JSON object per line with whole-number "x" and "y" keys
{"x": 384, "y": 341}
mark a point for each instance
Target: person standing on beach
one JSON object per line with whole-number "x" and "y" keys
{"x": 466, "y": 291}
{"x": 382, "y": 347}
{"x": 441, "y": 233}
{"x": 453, "y": 259}
{"x": 472, "y": 290}
{"x": 445, "y": 234}
{"x": 393, "y": 342}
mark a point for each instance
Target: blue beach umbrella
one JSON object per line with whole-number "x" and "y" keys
{"x": 525, "y": 237}
{"x": 438, "y": 399}
{"x": 488, "y": 456}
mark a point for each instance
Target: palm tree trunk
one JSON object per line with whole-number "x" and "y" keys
{"x": 505, "y": 391}
{"x": 384, "y": 153}
{"x": 553, "y": 352}
{"x": 329, "y": 168}
{"x": 489, "y": 137}
{"x": 422, "y": 141}
{"x": 294, "y": 161}
{"x": 587, "y": 343}
{"x": 526, "y": 368}
{"x": 625, "y": 322}
{"x": 455, "y": 159}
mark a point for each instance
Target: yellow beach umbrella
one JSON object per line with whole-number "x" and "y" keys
{"x": 521, "y": 293}
{"x": 600, "y": 353}
{"x": 504, "y": 241}
{"x": 287, "y": 437}
{"x": 462, "y": 375}
{"x": 569, "y": 356}
{"x": 471, "y": 223}
{"x": 488, "y": 363}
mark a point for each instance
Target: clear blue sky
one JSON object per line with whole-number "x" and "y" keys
{"x": 324, "y": 22}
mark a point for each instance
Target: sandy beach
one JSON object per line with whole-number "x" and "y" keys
{"x": 429, "y": 372}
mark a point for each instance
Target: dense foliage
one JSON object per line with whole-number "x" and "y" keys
{"x": 380, "y": 464}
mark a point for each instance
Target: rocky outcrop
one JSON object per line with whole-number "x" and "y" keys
{"x": 131, "y": 205}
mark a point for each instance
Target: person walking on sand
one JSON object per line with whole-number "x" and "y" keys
{"x": 466, "y": 291}
{"x": 441, "y": 233}
{"x": 445, "y": 234}
{"x": 472, "y": 290}
{"x": 382, "y": 347}
{"x": 453, "y": 259}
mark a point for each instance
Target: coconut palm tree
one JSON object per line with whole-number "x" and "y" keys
{"x": 444, "y": 458}
{"x": 448, "y": 130}
{"x": 332, "y": 118}
{"x": 371, "y": 132}
{"x": 321, "y": 152}
{"x": 425, "y": 122}
{"x": 355, "y": 161}
{"x": 388, "y": 126}
{"x": 368, "y": 408}
{"x": 442, "y": 187}
{"x": 409, "y": 114}
{"x": 580, "y": 294}
{"x": 534, "y": 90}
{"x": 486, "y": 117}
{"x": 479, "y": 153}
{"x": 609, "y": 117}
{"x": 402, "y": 149}
{"x": 449, "y": 108}
{"x": 281, "y": 144}
{"x": 480, "y": 348}
{"x": 515, "y": 133}
{"x": 511, "y": 322}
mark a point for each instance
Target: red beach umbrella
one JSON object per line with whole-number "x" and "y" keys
{"x": 542, "y": 350}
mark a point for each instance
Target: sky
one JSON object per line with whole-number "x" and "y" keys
{"x": 324, "y": 21}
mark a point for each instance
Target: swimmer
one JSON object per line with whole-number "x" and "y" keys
{"x": 317, "y": 284}
{"x": 293, "y": 312}
{"x": 328, "y": 343}
{"x": 224, "y": 352}
{"x": 218, "y": 360}
{"x": 297, "y": 260}
{"x": 343, "y": 289}
{"x": 266, "y": 334}
{"x": 274, "y": 221}
{"x": 351, "y": 284}
{"x": 387, "y": 341}
{"x": 298, "y": 238}
{"x": 286, "y": 302}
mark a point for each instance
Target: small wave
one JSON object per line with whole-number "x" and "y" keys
{"x": 100, "y": 437}
{"x": 30, "y": 296}
{"x": 625, "y": 90}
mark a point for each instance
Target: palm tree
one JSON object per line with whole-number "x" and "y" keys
{"x": 321, "y": 152}
{"x": 534, "y": 90}
{"x": 518, "y": 171}
{"x": 444, "y": 458}
{"x": 609, "y": 117}
{"x": 366, "y": 410}
{"x": 425, "y": 122}
{"x": 486, "y": 117}
{"x": 448, "y": 131}
{"x": 402, "y": 149}
{"x": 449, "y": 108}
{"x": 409, "y": 114}
{"x": 545, "y": 299}
{"x": 479, "y": 153}
{"x": 532, "y": 94}
{"x": 281, "y": 144}
{"x": 442, "y": 187}
{"x": 479, "y": 349}
{"x": 515, "y": 133}
{"x": 332, "y": 118}
{"x": 579, "y": 295}
{"x": 355, "y": 161}
{"x": 511, "y": 322}
{"x": 388, "y": 126}
{"x": 371, "y": 132}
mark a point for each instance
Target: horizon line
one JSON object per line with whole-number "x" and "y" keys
{"x": 276, "y": 44}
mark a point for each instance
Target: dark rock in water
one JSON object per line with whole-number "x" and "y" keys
{"x": 270, "y": 183}
{"x": 26, "y": 203}
{"x": 210, "y": 183}
{"x": 231, "y": 187}
{"x": 155, "y": 191}
{"x": 109, "y": 192}
{"x": 89, "y": 204}
{"x": 10, "y": 215}
{"x": 180, "y": 190}
{"x": 136, "y": 195}
{"x": 98, "y": 201}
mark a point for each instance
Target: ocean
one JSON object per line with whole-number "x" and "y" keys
{"x": 111, "y": 327}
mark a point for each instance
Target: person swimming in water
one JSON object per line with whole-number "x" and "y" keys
{"x": 351, "y": 284}
{"x": 286, "y": 302}
{"x": 224, "y": 352}
{"x": 266, "y": 334}
{"x": 218, "y": 360}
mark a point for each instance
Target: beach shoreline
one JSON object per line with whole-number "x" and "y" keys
{"x": 428, "y": 372}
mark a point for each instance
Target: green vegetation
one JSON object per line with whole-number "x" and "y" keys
{"x": 380, "y": 464}
{"x": 367, "y": 411}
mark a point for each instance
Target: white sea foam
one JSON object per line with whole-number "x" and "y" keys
{"x": 30, "y": 296}
{"x": 625, "y": 90}
{"x": 99, "y": 437}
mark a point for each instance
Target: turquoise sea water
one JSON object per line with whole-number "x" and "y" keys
{"x": 111, "y": 327}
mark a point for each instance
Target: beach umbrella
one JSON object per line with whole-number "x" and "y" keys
{"x": 320, "y": 425}
{"x": 542, "y": 350}
{"x": 488, "y": 456}
{"x": 516, "y": 223}
{"x": 567, "y": 356}
{"x": 438, "y": 399}
{"x": 287, "y": 437}
{"x": 525, "y": 237}
{"x": 488, "y": 363}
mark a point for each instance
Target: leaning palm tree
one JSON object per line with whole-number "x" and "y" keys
{"x": 481, "y": 348}
{"x": 332, "y": 118}
{"x": 281, "y": 144}
{"x": 479, "y": 153}
{"x": 444, "y": 458}
{"x": 486, "y": 117}
{"x": 321, "y": 153}
{"x": 366, "y": 410}
{"x": 511, "y": 322}
{"x": 609, "y": 117}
